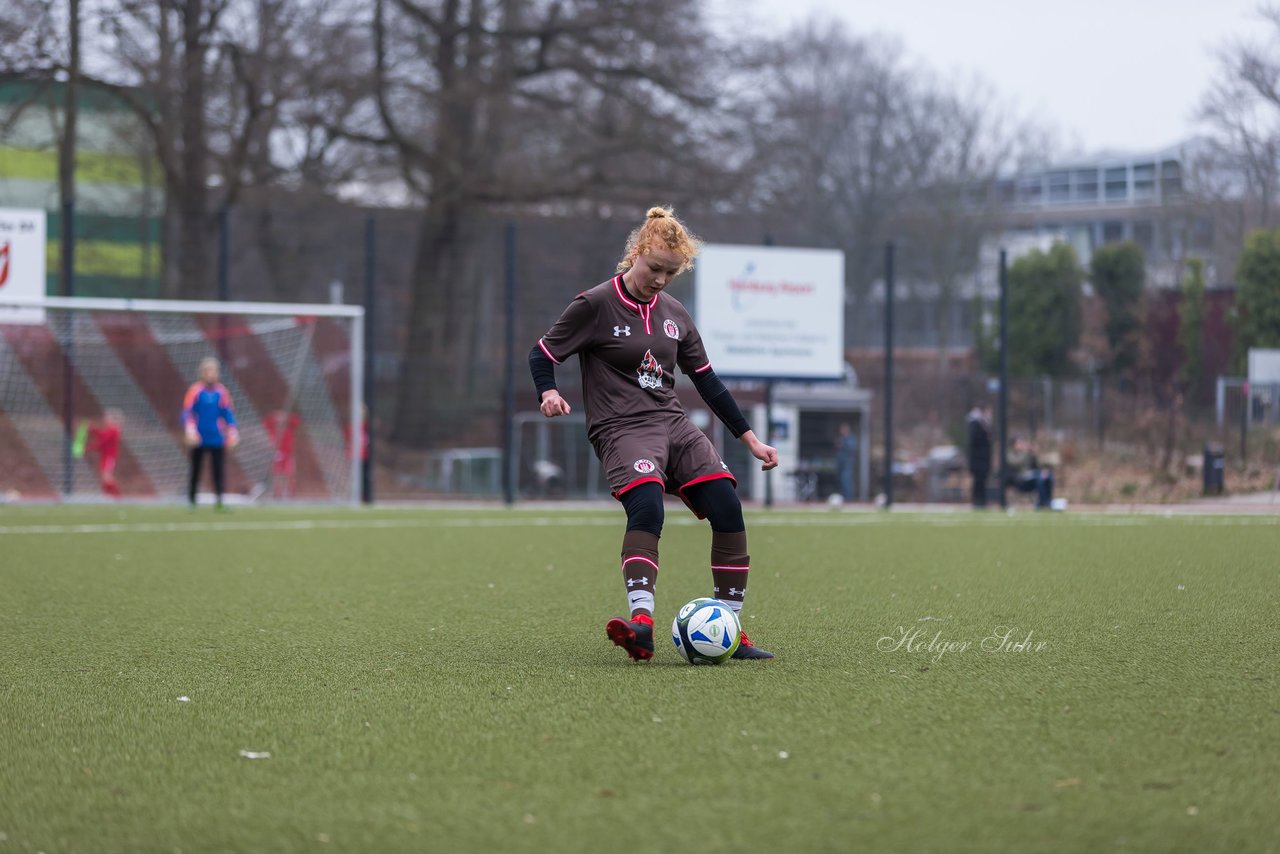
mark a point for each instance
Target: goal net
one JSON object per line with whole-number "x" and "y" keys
{"x": 74, "y": 371}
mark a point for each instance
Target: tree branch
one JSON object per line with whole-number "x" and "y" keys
{"x": 167, "y": 157}
{"x": 399, "y": 139}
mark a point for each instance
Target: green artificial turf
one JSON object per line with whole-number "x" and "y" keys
{"x": 439, "y": 680}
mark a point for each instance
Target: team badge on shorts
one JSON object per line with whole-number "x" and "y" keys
{"x": 669, "y": 327}
{"x": 644, "y": 466}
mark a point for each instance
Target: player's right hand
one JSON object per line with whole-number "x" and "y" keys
{"x": 193, "y": 438}
{"x": 553, "y": 404}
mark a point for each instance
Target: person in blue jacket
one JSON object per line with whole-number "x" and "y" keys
{"x": 209, "y": 425}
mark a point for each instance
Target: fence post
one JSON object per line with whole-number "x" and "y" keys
{"x": 370, "y": 302}
{"x": 1047, "y": 389}
{"x": 1003, "y": 414}
{"x": 224, "y": 276}
{"x": 67, "y": 195}
{"x": 68, "y": 347}
{"x": 1247, "y": 404}
{"x": 1220, "y": 401}
{"x": 1096, "y": 383}
{"x": 888, "y": 375}
{"x": 508, "y": 366}
{"x": 768, "y": 417}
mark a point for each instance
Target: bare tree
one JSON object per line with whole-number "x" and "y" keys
{"x": 32, "y": 35}
{"x": 1236, "y": 174}
{"x": 492, "y": 104}
{"x": 829, "y": 146}
{"x": 215, "y": 82}
{"x": 861, "y": 147}
{"x": 963, "y": 142}
{"x": 231, "y": 93}
{"x": 33, "y": 43}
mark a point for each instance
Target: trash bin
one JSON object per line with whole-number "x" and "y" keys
{"x": 1213, "y": 468}
{"x": 946, "y": 468}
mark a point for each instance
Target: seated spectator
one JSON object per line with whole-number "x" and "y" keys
{"x": 1026, "y": 474}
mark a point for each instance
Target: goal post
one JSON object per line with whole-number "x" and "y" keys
{"x": 71, "y": 367}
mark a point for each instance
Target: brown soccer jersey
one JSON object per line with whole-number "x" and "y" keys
{"x": 628, "y": 351}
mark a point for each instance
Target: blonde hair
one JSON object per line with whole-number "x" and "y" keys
{"x": 661, "y": 229}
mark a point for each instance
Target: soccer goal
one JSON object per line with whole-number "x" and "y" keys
{"x": 74, "y": 371}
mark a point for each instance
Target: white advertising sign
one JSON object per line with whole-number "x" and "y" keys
{"x": 1264, "y": 366}
{"x": 22, "y": 267}
{"x": 771, "y": 312}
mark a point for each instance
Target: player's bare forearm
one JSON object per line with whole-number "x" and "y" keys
{"x": 553, "y": 404}
{"x": 766, "y": 454}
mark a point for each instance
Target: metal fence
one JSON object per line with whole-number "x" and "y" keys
{"x": 438, "y": 356}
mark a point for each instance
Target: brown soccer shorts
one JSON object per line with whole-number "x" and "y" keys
{"x": 666, "y": 449}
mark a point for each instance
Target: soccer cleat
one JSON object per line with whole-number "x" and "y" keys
{"x": 636, "y": 636}
{"x": 747, "y": 650}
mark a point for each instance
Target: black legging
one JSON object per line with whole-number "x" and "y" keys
{"x": 216, "y": 456}
{"x": 716, "y": 500}
{"x": 978, "y": 489}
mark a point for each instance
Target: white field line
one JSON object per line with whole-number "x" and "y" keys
{"x": 517, "y": 521}
{"x": 293, "y": 525}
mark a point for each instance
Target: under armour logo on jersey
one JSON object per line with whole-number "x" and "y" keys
{"x": 733, "y": 591}
{"x": 621, "y": 330}
{"x": 632, "y": 582}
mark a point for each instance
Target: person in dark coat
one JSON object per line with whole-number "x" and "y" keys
{"x": 979, "y": 423}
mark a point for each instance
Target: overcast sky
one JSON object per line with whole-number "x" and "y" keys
{"x": 1109, "y": 74}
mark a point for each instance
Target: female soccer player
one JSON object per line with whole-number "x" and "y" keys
{"x": 104, "y": 440}
{"x": 282, "y": 428}
{"x": 209, "y": 422}
{"x": 630, "y": 337}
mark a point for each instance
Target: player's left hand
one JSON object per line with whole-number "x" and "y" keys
{"x": 554, "y": 405}
{"x": 766, "y": 454}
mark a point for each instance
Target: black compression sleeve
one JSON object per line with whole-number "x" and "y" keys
{"x": 721, "y": 401}
{"x": 543, "y": 370}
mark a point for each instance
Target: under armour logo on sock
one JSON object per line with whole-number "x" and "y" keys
{"x": 715, "y": 589}
{"x": 733, "y": 591}
{"x": 632, "y": 582}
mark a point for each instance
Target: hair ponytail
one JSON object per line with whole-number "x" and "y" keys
{"x": 660, "y": 229}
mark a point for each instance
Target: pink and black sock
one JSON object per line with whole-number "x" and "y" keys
{"x": 640, "y": 570}
{"x": 730, "y": 564}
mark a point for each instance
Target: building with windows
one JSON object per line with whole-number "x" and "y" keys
{"x": 119, "y": 187}
{"x": 1110, "y": 198}
{"x": 1088, "y": 202}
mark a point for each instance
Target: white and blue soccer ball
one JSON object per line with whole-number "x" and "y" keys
{"x": 706, "y": 631}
